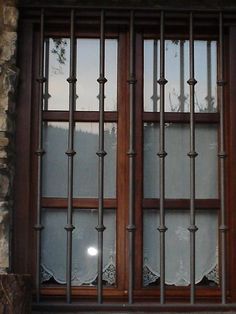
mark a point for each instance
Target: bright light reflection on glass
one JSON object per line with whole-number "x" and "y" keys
{"x": 92, "y": 251}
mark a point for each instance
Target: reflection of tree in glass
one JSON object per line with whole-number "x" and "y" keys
{"x": 60, "y": 45}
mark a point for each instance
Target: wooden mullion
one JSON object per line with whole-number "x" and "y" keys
{"x": 79, "y": 116}
{"x": 139, "y": 164}
{"x": 177, "y": 117}
{"x": 151, "y": 203}
{"x": 85, "y": 203}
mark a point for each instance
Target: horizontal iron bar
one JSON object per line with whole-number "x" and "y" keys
{"x": 148, "y": 307}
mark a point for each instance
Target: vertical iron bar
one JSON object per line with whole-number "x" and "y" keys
{"x": 131, "y": 155}
{"x": 181, "y": 79}
{"x": 70, "y": 153}
{"x": 39, "y": 152}
{"x": 209, "y": 98}
{"x": 192, "y": 155}
{"x": 155, "y": 95}
{"x": 46, "y": 90}
{"x": 222, "y": 156}
{"x": 101, "y": 154}
{"x": 162, "y": 154}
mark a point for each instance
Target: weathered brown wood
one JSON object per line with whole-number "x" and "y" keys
{"x": 79, "y": 116}
{"x": 21, "y": 254}
{"x": 139, "y": 163}
{"x": 15, "y": 294}
{"x": 89, "y": 203}
{"x": 203, "y": 204}
{"x": 122, "y": 165}
{"x": 177, "y": 117}
{"x": 231, "y": 162}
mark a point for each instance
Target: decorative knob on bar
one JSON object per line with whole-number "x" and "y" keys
{"x": 131, "y": 153}
{"x": 70, "y": 152}
{"x": 39, "y": 152}
{"x": 41, "y": 79}
{"x": 193, "y": 154}
{"x": 192, "y": 81}
{"x": 162, "y": 154}
{"x": 221, "y": 82}
{"x": 223, "y": 228}
{"x": 131, "y": 228}
{"x": 132, "y": 80}
{"x": 222, "y": 155}
{"x": 72, "y": 79}
{"x": 101, "y": 153}
{"x": 162, "y": 81}
{"x": 162, "y": 229}
{"x": 69, "y": 227}
{"x": 38, "y": 227}
{"x": 192, "y": 228}
{"x": 100, "y": 228}
{"x": 101, "y": 80}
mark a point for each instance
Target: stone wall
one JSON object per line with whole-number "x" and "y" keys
{"x": 8, "y": 84}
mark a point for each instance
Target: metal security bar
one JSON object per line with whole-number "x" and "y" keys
{"x": 162, "y": 154}
{"x": 46, "y": 92}
{"x": 209, "y": 84}
{"x": 101, "y": 154}
{"x": 131, "y": 227}
{"x": 70, "y": 153}
{"x": 192, "y": 155}
{"x": 222, "y": 156}
{"x": 39, "y": 152}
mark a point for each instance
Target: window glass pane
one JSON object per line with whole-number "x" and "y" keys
{"x": 177, "y": 74}
{"x": 85, "y": 161}
{"x": 177, "y": 168}
{"x": 56, "y": 94}
{"x": 177, "y": 248}
{"x": 84, "y": 247}
{"x": 88, "y": 73}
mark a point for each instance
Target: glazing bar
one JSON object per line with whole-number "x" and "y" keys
{"x": 155, "y": 95}
{"x": 70, "y": 153}
{"x": 209, "y": 98}
{"x": 192, "y": 155}
{"x": 101, "y": 154}
{"x": 131, "y": 154}
{"x": 39, "y": 152}
{"x": 222, "y": 155}
{"x": 162, "y": 154}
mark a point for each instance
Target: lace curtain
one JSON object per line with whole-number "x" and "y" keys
{"x": 84, "y": 262}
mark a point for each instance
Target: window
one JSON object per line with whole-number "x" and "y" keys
{"x": 121, "y": 120}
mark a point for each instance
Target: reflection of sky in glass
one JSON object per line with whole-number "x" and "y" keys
{"x": 87, "y": 68}
{"x": 177, "y": 74}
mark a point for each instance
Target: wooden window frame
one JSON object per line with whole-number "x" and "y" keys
{"x": 24, "y": 216}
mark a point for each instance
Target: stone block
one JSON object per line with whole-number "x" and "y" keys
{"x": 4, "y": 239}
{"x": 15, "y": 294}
{"x": 10, "y": 16}
{"x": 8, "y": 46}
{"x": 3, "y": 122}
{"x": 4, "y": 185}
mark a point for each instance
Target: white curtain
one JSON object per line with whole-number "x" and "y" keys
{"x": 84, "y": 259}
{"x": 177, "y": 246}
